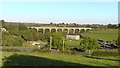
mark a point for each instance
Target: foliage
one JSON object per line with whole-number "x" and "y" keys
{"x": 88, "y": 44}
{"x": 48, "y": 35}
{"x": 27, "y": 35}
{"x": 57, "y": 40}
{"x": 12, "y": 41}
{"x": 5, "y": 33}
{"x": 112, "y": 26}
{"x": 30, "y": 35}
{"x": 22, "y": 27}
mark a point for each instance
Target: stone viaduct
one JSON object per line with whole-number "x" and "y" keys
{"x": 61, "y": 28}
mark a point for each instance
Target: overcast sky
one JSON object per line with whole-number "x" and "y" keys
{"x": 58, "y": 12}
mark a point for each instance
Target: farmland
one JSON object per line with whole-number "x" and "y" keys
{"x": 18, "y": 49}
{"x": 103, "y": 34}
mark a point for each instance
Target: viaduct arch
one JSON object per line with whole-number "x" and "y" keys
{"x": 62, "y": 28}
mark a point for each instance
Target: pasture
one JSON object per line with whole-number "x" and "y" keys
{"x": 103, "y": 34}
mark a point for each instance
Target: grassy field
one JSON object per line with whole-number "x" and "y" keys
{"x": 106, "y": 35}
{"x": 52, "y": 59}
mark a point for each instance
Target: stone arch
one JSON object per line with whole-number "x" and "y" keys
{"x": 87, "y": 30}
{"x": 59, "y": 30}
{"x": 47, "y": 30}
{"x": 53, "y": 30}
{"x": 71, "y": 30}
{"x": 82, "y": 30}
{"x": 40, "y": 30}
{"x": 77, "y": 31}
{"x": 65, "y": 30}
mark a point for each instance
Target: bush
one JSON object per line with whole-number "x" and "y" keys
{"x": 12, "y": 41}
{"x": 88, "y": 44}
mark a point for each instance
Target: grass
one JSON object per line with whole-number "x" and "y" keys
{"x": 27, "y": 47}
{"x": 106, "y": 52}
{"x": 52, "y": 59}
{"x": 74, "y": 43}
{"x": 103, "y": 34}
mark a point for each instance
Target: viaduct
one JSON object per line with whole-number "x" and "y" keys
{"x": 61, "y": 28}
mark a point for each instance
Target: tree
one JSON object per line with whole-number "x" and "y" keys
{"x": 112, "y": 26}
{"x": 12, "y": 41}
{"x": 40, "y": 36}
{"x": 2, "y": 22}
{"x": 88, "y": 44}
{"x": 22, "y": 27}
{"x": 63, "y": 23}
{"x": 51, "y": 23}
{"x": 57, "y": 40}
{"x": 48, "y": 35}
{"x": 27, "y": 35}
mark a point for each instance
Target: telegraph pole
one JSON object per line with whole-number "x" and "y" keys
{"x": 50, "y": 42}
{"x": 63, "y": 44}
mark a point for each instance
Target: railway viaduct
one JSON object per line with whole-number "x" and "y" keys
{"x": 61, "y": 28}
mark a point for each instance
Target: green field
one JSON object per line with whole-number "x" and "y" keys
{"x": 103, "y": 34}
{"x": 52, "y": 59}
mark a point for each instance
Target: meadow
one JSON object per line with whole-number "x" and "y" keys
{"x": 103, "y": 34}
{"x": 56, "y": 59}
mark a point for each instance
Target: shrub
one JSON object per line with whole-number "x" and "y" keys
{"x": 12, "y": 41}
{"x": 88, "y": 44}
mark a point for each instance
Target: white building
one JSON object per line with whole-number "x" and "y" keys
{"x": 73, "y": 36}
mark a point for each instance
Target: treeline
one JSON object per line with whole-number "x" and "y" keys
{"x": 113, "y": 26}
